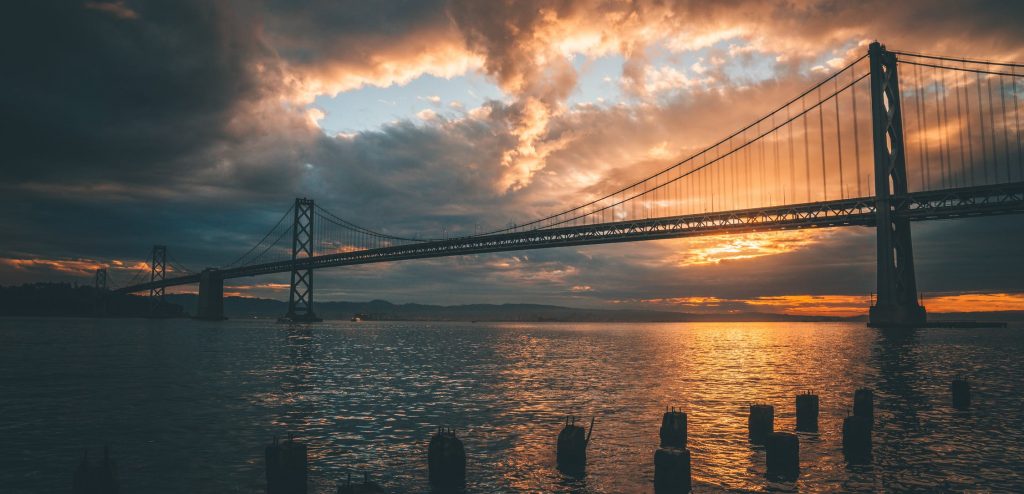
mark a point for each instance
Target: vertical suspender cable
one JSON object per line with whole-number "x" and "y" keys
{"x": 924, "y": 131}
{"x": 856, "y": 133}
{"x": 807, "y": 151}
{"x": 970, "y": 132}
{"x": 984, "y": 138}
{"x": 939, "y": 128}
{"x": 839, "y": 143}
{"x": 821, "y": 133}
{"x": 960, "y": 130}
{"x": 1016, "y": 119}
{"x": 1006, "y": 135}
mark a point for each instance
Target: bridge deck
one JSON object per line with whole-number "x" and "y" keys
{"x": 918, "y": 206}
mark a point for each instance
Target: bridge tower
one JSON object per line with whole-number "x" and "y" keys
{"x": 100, "y": 293}
{"x": 896, "y": 304}
{"x": 157, "y": 272}
{"x": 300, "y": 297}
{"x": 100, "y": 281}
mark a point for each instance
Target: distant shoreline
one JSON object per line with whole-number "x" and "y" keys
{"x": 63, "y": 300}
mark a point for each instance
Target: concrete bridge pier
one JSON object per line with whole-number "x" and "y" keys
{"x": 211, "y": 296}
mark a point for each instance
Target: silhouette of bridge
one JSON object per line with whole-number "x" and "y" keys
{"x": 868, "y": 146}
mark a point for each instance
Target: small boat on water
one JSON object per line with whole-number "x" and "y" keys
{"x": 358, "y": 317}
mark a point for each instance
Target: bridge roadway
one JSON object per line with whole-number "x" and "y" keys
{"x": 916, "y": 206}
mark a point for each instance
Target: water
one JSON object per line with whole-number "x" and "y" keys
{"x": 188, "y": 406}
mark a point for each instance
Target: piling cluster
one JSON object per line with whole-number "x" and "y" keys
{"x": 286, "y": 462}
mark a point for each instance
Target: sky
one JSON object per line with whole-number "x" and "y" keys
{"x": 196, "y": 123}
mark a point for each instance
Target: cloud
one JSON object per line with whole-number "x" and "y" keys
{"x": 189, "y": 126}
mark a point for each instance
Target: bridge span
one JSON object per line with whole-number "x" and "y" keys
{"x": 784, "y": 171}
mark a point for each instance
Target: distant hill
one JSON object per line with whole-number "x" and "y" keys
{"x": 71, "y": 300}
{"x": 380, "y": 310}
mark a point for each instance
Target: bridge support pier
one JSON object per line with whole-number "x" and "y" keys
{"x": 897, "y": 304}
{"x": 211, "y": 296}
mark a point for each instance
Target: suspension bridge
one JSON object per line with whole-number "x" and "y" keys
{"x": 892, "y": 138}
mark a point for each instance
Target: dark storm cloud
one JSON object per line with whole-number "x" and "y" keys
{"x": 131, "y": 123}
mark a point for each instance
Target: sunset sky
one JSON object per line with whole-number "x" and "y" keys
{"x": 196, "y": 123}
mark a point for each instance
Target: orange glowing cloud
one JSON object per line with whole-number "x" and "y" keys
{"x": 68, "y": 266}
{"x": 975, "y": 302}
{"x": 715, "y": 249}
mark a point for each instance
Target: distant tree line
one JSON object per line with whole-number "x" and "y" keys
{"x": 74, "y": 300}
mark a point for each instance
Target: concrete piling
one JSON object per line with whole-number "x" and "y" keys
{"x": 760, "y": 422}
{"x": 961, "y": 390}
{"x": 571, "y": 450}
{"x": 807, "y": 412}
{"x": 864, "y": 404}
{"x": 96, "y": 478}
{"x": 446, "y": 460}
{"x": 857, "y": 440}
{"x": 673, "y": 429}
{"x": 672, "y": 470}
{"x": 287, "y": 467}
{"x": 782, "y": 456}
{"x": 367, "y": 487}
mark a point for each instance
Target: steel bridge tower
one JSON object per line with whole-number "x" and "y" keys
{"x": 300, "y": 297}
{"x": 100, "y": 281}
{"x": 897, "y": 303}
{"x": 157, "y": 272}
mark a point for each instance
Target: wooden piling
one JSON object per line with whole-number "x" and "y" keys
{"x": 287, "y": 467}
{"x": 446, "y": 460}
{"x": 807, "y": 412}
{"x": 960, "y": 388}
{"x": 857, "y": 440}
{"x": 864, "y": 404}
{"x": 571, "y": 450}
{"x": 673, "y": 429}
{"x": 782, "y": 456}
{"x": 672, "y": 470}
{"x": 760, "y": 422}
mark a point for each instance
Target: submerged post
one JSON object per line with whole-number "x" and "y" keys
{"x": 96, "y": 478}
{"x": 896, "y": 305}
{"x": 300, "y": 297}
